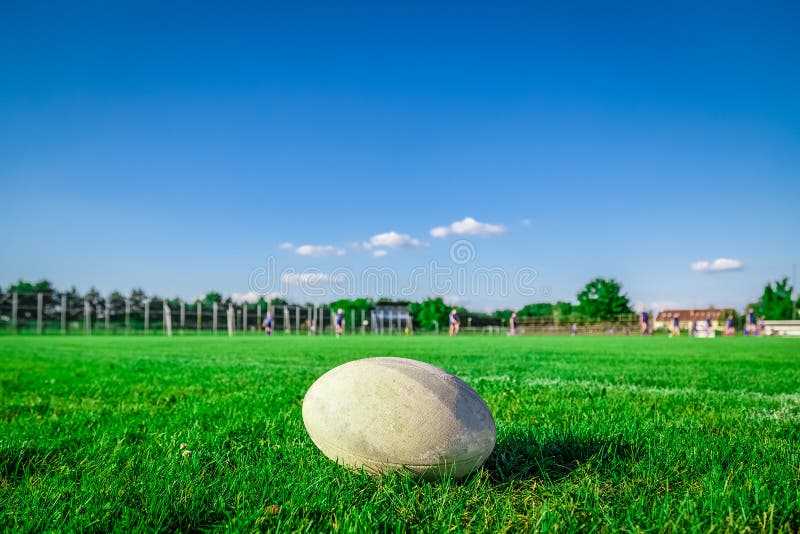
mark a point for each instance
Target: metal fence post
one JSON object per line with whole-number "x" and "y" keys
{"x": 244, "y": 317}
{"x": 87, "y": 318}
{"x": 199, "y": 317}
{"x": 14, "y": 306}
{"x": 63, "y": 314}
{"x": 183, "y": 316}
{"x": 297, "y": 319}
{"x": 287, "y": 322}
{"x": 167, "y": 319}
{"x": 108, "y": 316}
{"x": 230, "y": 320}
{"x": 363, "y": 312}
{"x": 147, "y": 316}
{"x": 128, "y": 315}
{"x": 214, "y": 318}
{"x": 39, "y": 305}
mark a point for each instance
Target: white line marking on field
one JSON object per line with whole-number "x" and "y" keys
{"x": 783, "y": 398}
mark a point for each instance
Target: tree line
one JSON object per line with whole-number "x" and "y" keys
{"x": 600, "y": 300}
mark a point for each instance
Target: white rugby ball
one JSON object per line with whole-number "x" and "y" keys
{"x": 384, "y": 414}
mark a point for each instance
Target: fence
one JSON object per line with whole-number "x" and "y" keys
{"x": 622, "y": 325}
{"x": 48, "y": 313}
{"x": 51, "y": 313}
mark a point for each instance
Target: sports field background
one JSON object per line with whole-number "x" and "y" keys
{"x": 649, "y": 434}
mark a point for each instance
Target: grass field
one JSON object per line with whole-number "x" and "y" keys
{"x": 609, "y": 434}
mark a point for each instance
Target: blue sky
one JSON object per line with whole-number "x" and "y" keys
{"x": 175, "y": 148}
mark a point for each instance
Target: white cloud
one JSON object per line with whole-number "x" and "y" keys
{"x": 720, "y": 264}
{"x": 319, "y": 250}
{"x": 468, "y": 226}
{"x": 304, "y": 278}
{"x": 658, "y": 305}
{"x": 440, "y": 231}
{"x": 252, "y": 296}
{"x": 393, "y": 240}
{"x": 286, "y": 246}
{"x": 455, "y": 300}
{"x": 380, "y": 253}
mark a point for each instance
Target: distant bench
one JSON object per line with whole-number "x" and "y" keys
{"x": 782, "y": 328}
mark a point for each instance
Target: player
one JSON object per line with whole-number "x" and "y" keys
{"x": 644, "y": 323}
{"x": 730, "y": 330}
{"x": 339, "y": 322}
{"x": 573, "y": 331}
{"x": 676, "y": 326}
{"x": 267, "y": 324}
{"x": 455, "y": 322}
{"x": 513, "y": 324}
{"x": 750, "y": 328}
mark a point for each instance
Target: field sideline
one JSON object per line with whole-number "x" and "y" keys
{"x": 196, "y": 433}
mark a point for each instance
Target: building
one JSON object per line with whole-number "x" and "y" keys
{"x": 391, "y": 317}
{"x": 687, "y": 317}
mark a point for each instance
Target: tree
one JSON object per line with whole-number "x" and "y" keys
{"x": 504, "y": 316}
{"x": 211, "y": 297}
{"x": 603, "y": 300}
{"x": 27, "y": 291}
{"x": 116, "y": 302}
{"x": 429, "y": 312}
{"x": 350, "y": 306}
{"x": 137, "y": 298}
{"x": 562, "y": 311}
{"x": 174, "y": 303}
{"x": 346, "y": 304}
{"x": 776, "y": 303}
{"x": 537, "y": 310}
{"x": 74, "y": 301}
{"x": 93, "y": 297}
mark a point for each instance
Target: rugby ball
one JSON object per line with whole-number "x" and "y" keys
{"x": 386, "y": 414}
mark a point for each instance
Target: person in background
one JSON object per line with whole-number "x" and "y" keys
{"x": 455, "y": 322}
{"x": 644, "y": 323}
{"x": 676, "y": 326}
{"x": 709, "y": 328}
{"x": 729, "y": 328}
{"x": 339, "y": 322}
{"x": 761, "y": 325}
{"x": 573, "y": 331}
{"x": 750, "y": 323}
{"x": 267, "y": 324}
{"x": 513, "y": 324}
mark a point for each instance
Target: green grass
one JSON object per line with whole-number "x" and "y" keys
{"x": 606, "y": 434}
